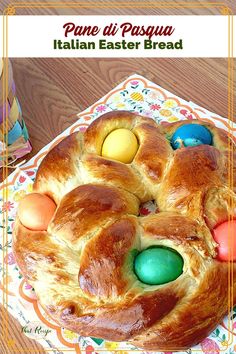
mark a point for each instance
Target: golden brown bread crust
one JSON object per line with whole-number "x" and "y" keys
{"x": 82, "y": 266}
{"x": 191, "y": 173}
{"x": 58, "y": 172}
{"x": 112, "y": 303}
{"x": 193, "y": 319}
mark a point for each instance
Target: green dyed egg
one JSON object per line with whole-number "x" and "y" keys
{"x": 158, "y": 265}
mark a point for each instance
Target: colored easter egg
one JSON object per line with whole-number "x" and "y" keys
{"x": 120, "y": 145}
{"x": 191, "y": 135}
{"x": 225, "y": 235}
{"x": 158, "y": 265}
{"x": 35, "y": 211}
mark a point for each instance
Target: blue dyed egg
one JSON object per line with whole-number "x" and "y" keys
{"x": 191, "y": 135}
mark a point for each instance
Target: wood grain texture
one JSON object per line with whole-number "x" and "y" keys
{"x": 52, "y": 91}
{"x": 132, "y": 7}
{"x": 16, "y": 342}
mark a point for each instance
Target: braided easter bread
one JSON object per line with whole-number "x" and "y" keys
{"x": 82, "y": 265}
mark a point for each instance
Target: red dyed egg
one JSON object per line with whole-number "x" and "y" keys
{"x": 225, "y": 235}
{"x": 35, "y": 211}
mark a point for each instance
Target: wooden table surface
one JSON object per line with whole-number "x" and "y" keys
{"x": 130, "y": 7}
{"x": 52, "y": 91}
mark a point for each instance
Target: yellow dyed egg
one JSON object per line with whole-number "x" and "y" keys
{"x": 36, "y": 210}
{"x": 120, "y": 145}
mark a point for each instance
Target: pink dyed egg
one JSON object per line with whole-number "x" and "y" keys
{"x": 35, "y": 211}
{"x": 225, "y": 235}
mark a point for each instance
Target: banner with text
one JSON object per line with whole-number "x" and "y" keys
{"x": 117, "y": 36}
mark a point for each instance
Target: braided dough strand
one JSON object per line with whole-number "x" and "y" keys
{"x": 82, "y": 266}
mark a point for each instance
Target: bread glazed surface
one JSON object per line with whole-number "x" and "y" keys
{"x": 82, "y": 267}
